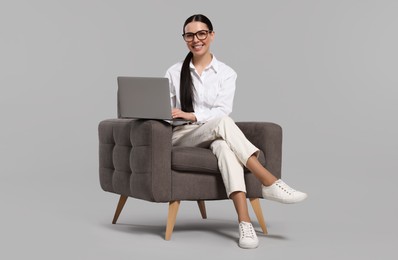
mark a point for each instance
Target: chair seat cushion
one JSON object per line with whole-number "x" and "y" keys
{"x": 195, "y": 159}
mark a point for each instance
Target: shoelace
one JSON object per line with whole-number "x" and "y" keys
{"x": 246, "y": 230}
{"x": 286, "y": 188}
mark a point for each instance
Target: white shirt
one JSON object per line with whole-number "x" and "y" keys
{"x": 214, "y": 89}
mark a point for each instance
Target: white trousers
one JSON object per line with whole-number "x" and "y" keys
{"x": 228, "y": 144}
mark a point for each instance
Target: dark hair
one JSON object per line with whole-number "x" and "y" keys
{"x": 186, "y": 85}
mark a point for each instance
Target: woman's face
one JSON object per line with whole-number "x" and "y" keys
{"x": 196, "y": 46}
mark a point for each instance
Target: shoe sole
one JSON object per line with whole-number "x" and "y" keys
{"x": 248, "y": 246}
{"x": 285, "y": 201}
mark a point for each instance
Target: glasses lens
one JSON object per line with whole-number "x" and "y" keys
{"x": 188, "y": 37}
{"x": 202, "y": 35}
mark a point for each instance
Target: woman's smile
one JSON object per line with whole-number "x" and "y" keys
{"x": 197, "y": 46}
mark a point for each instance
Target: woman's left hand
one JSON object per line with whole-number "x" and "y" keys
{"x": 178, "y": 113}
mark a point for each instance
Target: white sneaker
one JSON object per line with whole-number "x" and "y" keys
{"x": 281, "y": 192}
{"x": 247, "y": 236}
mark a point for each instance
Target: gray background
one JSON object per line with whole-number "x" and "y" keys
{"x": 326, "y": 71}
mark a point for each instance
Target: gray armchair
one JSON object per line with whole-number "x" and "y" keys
{"x": 136, "y": 159}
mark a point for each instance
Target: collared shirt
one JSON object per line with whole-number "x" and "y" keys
{"x": 214, "y": 89}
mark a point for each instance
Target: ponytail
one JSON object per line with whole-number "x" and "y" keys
{"x": 186, "y": 85}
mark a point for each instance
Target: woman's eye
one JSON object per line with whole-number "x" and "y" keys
{"x": 202, "y": 34}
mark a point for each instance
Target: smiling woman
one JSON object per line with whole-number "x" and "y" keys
{"x": 202, "y": 90}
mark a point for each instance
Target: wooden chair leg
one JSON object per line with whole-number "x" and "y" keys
{"x": 119, "y": 208}
{"x": 259, "y": 214}
{"x": 171, "y": 219}
{"x": 202, "y": 208}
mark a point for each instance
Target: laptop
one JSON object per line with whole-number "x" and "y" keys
{"x": 145, "y": 98}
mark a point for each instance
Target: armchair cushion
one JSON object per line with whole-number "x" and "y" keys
{"x": 195, "y": 159}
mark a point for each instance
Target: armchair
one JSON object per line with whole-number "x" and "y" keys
{"x": 136, "y": 159}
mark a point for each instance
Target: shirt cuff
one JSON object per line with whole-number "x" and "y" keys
{"x": 199, "y": 117}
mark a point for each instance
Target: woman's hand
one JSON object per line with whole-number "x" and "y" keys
{"x": 178, "y": 113}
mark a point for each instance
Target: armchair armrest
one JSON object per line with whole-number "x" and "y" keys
{"x": 268, "y": 138}
{"x": 135, "y": 158}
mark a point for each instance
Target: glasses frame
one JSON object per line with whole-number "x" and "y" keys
{"x": 196, "y": 35}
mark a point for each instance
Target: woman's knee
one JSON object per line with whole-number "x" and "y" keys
{"x": 226, "y": 120}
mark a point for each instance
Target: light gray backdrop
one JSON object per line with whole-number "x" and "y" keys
{"x": 326, "y": 71}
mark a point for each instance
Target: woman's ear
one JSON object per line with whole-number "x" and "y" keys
{"x": 212, "y": 35}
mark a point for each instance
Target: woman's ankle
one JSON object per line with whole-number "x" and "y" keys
{"x": 269, "y": 182}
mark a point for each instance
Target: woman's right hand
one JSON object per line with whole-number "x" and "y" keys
{"x": 178, "y": 113}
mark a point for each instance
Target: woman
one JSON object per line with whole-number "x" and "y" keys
{"x": 202, "y": 91}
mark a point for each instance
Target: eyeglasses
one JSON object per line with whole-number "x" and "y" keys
{"x": 201, "y": 35}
